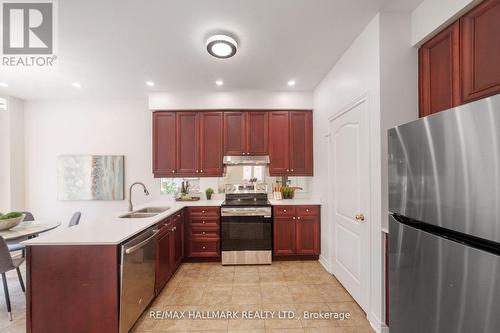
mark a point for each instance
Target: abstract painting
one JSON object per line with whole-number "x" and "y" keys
{"x": 90, "y": 177}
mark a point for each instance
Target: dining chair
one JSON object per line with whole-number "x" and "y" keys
{"x": 7, "y": 263}
{"x": 75, "y": 219}
{"x": 15, "y": 244}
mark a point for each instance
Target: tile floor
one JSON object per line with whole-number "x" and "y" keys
{"x": 295, "y": 286}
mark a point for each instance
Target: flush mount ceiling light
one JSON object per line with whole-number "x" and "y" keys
{"x": 3, "y": 85}
{"x": 219, "y": 82}
{"x": 150, "y": 83}
{"x": 291, "y": 83}
{"x": 76, "y": 85}
{"x": 221, "y": 46}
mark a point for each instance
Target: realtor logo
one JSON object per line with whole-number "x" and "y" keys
{"x": 28, "y": 29}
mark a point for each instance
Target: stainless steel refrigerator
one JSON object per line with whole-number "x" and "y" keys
{"x": 444, "y": 221}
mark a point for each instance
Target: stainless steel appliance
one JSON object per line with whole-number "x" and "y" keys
{"x": 246, "y": 160}
{"x": 246, "y": 225}
{"x": 138, "y": 258}
{"x": 444, "y": 222}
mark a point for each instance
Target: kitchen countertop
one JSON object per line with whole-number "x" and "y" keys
{"x": 297, "y": 201}
{"x": 114, "y": 230}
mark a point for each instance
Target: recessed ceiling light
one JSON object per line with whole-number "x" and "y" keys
{"x": 3, "y": 85}
{"x": 219, "y": 82}
{"x": 221, "y": 46}
{"x": 76, "y": 85}
{"x": 291, "y": 83}
{"x": 150, "y": 83}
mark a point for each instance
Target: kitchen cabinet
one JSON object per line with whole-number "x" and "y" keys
{"x": 211, "y": 137}
{"x": 164, "y": 144}
{"x": 169, "y": 249}
{"x": 257, "y": 131}
{"x": 203, "y": 234}
{"x": 296, "y": 231}
{"x": 439, "y": 67}
{"x": 290, "y": 143}
{"x": 480, "y": 51}
{"x": 188, "y": 143}
{"x": 460, "y": 64}
{"x": 246, "y": 133}
{"x": 234, "y": 133}
{"x": 164, "y": 257}
{"x": 178, "y": 235}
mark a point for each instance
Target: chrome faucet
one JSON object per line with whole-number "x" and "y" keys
{"x": 146, "y": 192}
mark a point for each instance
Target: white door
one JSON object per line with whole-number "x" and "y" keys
{"x": 349, "y": 190}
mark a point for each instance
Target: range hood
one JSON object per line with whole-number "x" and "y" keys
{"x": 246, "y": 160}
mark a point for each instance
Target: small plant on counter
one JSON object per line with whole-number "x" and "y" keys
{"x": 287, "y": 192}
{"x": 209, "y": 191}
{"x": 10, "y": 215}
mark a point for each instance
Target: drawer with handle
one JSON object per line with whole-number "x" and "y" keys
{"x": 204, "y": 211}
{"x": 207, "y": 222}
{"x": 204, "y": 248}
{"x": 204, "y": 232}
{"x": 305, "y": 211}
{"x": 284, "y": 211}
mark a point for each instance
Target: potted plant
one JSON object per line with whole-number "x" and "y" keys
{"x": 209, "y": 191}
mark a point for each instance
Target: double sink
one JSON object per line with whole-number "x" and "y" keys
{"x": 145, "y": 212}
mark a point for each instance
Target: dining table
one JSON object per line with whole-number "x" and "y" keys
{"x": 28, "y": 229}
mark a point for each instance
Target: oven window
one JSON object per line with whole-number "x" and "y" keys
{"x": 246, "y": 233}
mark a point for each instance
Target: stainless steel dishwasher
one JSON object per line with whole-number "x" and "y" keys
{"x": 138, "y": 264}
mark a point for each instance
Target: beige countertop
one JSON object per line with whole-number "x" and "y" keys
{"x": 113, "y": 230}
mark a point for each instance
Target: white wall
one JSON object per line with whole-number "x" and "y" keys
{"x": 114, "y": 127}
{"x": 433, "y": 15}
{"x": 383, "y": 64}
{"x": 12, "y": 156}
{"x": 85, "y": 127}
{"x": 231, "y": 100}
{"x": 356, "y": 74}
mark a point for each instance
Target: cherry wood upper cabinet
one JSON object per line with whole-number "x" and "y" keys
{"x": 290, "y": 143}
{"x": 164, "y": 144}
{"x": 234, "y": 133}
{"x": 246, "y": 133}
{"x": 211, "y": 137}
{"x": 439, "y": 67}
{"x": 301, "y": 146}
{"x": 279, "y": 143}
{"x": 257, "y": 130}
{"x": 480, "y": 46}
{"x": 187, "y": 129}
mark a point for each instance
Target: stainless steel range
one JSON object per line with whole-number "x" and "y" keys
{"x": 246, "y": 225}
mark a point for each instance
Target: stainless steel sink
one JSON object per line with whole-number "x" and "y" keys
{"x": 138, "y": 215}
{"x": 156, "y": 210}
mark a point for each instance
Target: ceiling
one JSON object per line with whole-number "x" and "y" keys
{"x": 112, "y": 47}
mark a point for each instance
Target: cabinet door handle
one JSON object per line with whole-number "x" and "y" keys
{"x": 293, "y": 218}
{"x": 284, "y": 210}
{"x": 203, "y": 211}
{"x": 287, "y": 170}
{"x": 307, "y": 210}
{"x": 291, "y": 170}
{"x": 204, "y": 247}
{"x": 298, "y": 217}
{"x": 203, "y": 232}
{"x": 203, "y": 222}
{"x": 173, "y": 229}
{"x": 173, "y": 171}
{"x": 201, "y": 171}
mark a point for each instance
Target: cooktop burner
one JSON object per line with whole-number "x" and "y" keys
{"x": 246, "y": 195}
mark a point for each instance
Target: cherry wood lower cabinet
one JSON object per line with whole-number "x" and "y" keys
{"x": 296, "y": 231}
{"x": 169, "y": 249}
{"x": 202, "y": 235}
{"x": 72, "y": 288}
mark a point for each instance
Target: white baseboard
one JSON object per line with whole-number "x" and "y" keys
{"x": 324, "y": 263}
{"x": 377, "y": 325}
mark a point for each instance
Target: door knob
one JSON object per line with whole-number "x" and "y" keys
{"x": 360, "y": 217}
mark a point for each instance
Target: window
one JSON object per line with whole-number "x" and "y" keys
{"x": 173, "y": 185}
